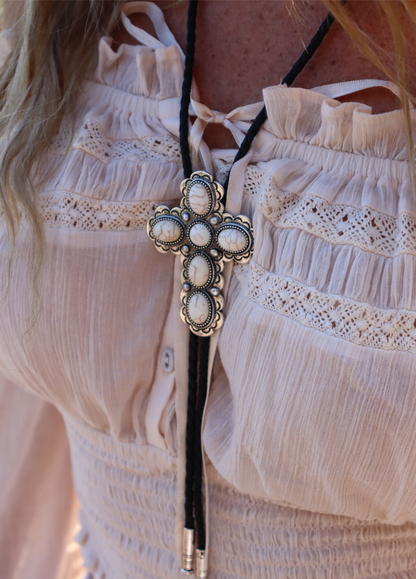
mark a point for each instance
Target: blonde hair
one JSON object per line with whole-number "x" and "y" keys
{"x": 57, "y": 43}
{"x": 39, "y": 86}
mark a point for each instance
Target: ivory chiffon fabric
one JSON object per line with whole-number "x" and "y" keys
{"x": 309, "y": 432}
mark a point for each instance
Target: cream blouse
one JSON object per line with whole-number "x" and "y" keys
{"x": 309, "y": 432}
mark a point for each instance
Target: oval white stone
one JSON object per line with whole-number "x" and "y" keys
{"x": 232, "y": 240}
{"x": 166, "y": 231}
{"x": 198, "y": 198}
{"x": 198, "y": 308}
{"x": 200, "y": 235}
{"x": 198, "y": 271}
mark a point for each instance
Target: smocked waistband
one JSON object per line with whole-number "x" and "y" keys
{"x": 128, "y": 498}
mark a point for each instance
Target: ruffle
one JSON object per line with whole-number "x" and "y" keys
{"x": 115, "y": 155}
{"x": 139, "y": 70}
{"x": 331, "y": 313}
{"x": 309, "y": 117}
{"x": 124, "y": 181}
{"x": 328, "y": 246}
{"x": 298, "y": 169}
{"x": 295, "y": 114}
{"x": 342, "y": 270}
{"x": 305, "y": 231}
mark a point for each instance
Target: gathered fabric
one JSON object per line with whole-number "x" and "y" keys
{"x": 129, "y": 525}
{"x": 308, "y": 435}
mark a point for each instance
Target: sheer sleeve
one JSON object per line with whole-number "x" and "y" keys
{"x": 38, "y": 508}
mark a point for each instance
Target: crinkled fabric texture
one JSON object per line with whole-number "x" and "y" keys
{"x": 309, "y": 430}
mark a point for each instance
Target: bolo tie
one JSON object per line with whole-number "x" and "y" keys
{"x": 205, "y": 237}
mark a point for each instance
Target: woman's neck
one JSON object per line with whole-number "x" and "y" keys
{"x": 245, "y": 45}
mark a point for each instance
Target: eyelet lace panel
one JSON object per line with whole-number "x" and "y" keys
{"x": 67, "y": 210}
{"x": 336, "y": 316}
{"x": 365, "y": 228}
{"x": 339, "y": 224}
{"x": 92, "y": 140}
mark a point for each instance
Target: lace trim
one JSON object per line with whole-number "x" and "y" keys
{"x": 333, "y": 315}
{"x": 68, "y": 210}
{"x": 338, "y": 224}
{"x": 222, "y": 168}
{"x": 92, "y": 140}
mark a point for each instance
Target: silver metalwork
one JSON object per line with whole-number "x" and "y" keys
{"x": 165, "y": 215}
{"x": 187, "y": 551}
{"x": 205, "y": 237}
{"x": 206, "y": 278}
{"x": 201, "y": 564}
{"x": 197, "y": 240}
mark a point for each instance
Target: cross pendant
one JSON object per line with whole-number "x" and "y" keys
{"x": 205, "y": 237}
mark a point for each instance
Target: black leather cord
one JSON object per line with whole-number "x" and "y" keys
{"x": 190, "y": 429}
{"x": 193, "y": 340}
{"x": 288, "y": 80}
{"x": 186, "y": 89}
{"x": 309, "y": 51}
{"x": 198, "y": 479}
{"x": 199, "y": 347}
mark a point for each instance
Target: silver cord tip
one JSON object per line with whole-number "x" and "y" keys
{"x": 188, "y": 551}
{"x": 201, "y": 564}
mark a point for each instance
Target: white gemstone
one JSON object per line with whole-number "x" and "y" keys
{"x": 232, "y": 240}
{"x": 166, "y": 231}
{"x": 198, "y": 308}
{"x": 198, "y": 198}
{"x": 200, "y": 235}
{"x": 198, "y": 271}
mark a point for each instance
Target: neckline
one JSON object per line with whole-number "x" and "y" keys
{"x": 155, "y": 73}
{"x": 165, "y": 38}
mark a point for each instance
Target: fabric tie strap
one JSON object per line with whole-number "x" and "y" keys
{"x": 237, "y": 121}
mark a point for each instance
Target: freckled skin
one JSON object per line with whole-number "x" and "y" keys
{"x": 246, "y": 45}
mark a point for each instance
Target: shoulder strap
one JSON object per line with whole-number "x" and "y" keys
{"x": 339, "y": 89}
{"x": 164, "y": 35}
